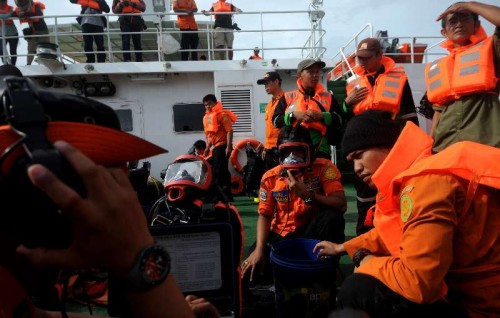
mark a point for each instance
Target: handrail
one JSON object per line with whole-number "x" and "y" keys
{"x": 158, "y": 25}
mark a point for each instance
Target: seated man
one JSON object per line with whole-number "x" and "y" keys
{"x": 434, "y": 249}
{"x": 301, "y": 197}
{"x": 66, "y": 224}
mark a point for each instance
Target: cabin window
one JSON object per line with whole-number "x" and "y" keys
{"x": 188, "y": 117}
{"x": 125, "y": 118}
{"x": 237, "y": 99}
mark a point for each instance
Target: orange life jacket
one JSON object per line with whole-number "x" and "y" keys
{"x": 211, "y": 119}
{"x": 130, "y": 8}
{"x": 466, "y": 70}
{"x": 387, "y": 92}
{"x": 186, "y": 22}
{"x": 221, "y": 7}
{"x": 271, "y": 131}
{"x": 33, "y": 11}
{"x": 460, "y": 160}
{"x": 4, "y": 10}
{"x": 255, "y": 57}
{"x": 296, "y": 100}
{"x": 89, "y": 3}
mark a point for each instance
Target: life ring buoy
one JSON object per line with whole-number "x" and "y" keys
{"x": 236, "y": 185}
{"x": 241, "y": 146}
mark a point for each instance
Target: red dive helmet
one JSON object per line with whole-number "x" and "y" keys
{"x": 185, "y": 172}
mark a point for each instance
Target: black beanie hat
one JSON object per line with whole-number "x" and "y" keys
{"x": 370, "y": 129}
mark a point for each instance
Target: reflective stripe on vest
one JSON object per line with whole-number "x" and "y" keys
{"x": 296, "y": 100}
{"x": 462, "y": 73}
{"x": 221, "y": 7}
{"x": 130, "y": 8}
{"x": 386, "y": 95}
{"x": 89, "y": 3}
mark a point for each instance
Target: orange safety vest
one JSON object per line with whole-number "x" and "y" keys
{"x": 221, "y": 7}
{"x": 255, "y": 57}
{"x": 467, "y": 70}
{"x": 89, "y": 3}
{"x": 387, "y": 92}
{"x": 271, "y": 131}
{"x": 211, "y": 119}
{"x": 186, "y": 22}
{"x": 6, "y": 9}
{"x": 130, "y": 8}
{"x": 296, "y": 100}
{"x": 460, "y": 160}
{"x": 33, "y": 11}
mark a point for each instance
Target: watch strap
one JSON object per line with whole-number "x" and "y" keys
{"x": 140, "y": 277}
{"x": 360, "y": 255}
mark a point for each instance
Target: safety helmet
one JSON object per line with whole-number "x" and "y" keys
{"x": 186, "y": 171}
{"x": 294, "y": 147}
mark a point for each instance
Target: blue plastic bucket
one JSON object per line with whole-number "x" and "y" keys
{"x": 304, "y": 284}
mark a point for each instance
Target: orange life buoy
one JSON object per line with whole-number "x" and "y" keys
{"x": 241, "y": 147}
{"x": 236, "y": 185}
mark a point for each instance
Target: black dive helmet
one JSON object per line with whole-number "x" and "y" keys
{"x": 295, "y": 148}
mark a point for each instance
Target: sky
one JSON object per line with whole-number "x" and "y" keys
{"x": 343, "y": 19}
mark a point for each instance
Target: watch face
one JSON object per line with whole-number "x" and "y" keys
{"x": 155, "y": 265}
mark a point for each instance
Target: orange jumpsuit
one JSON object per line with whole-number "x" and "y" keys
{"x": 291, "y": 211}
{"x": 438, "y": 240}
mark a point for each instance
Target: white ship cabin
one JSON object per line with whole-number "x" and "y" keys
{"x": 160, "y": 99}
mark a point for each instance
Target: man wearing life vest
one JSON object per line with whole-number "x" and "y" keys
{"x": 93, "y": 28}
{"x": 434, "y": 249}
{"x": 310, "y": 106}
{"x": 6, "y": 12}
{"x": 272, "y": 85}
{"x": 187, "y": 24}
{"x": 218, "y": 126}
{"x": 381, "y": 85}
{"x": 463, "y": 87}
{"x": 223, "y": 36}
{"x": 301, "y": 197}
{"x": 130, "y": 26}
{"x": 31, "y": 13}
{"x": 255, "y": 55}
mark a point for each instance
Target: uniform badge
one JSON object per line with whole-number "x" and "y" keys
{"x": 406, "y": 207}
{"x": 263, "y": 195}
{"x": 330, "y": 173}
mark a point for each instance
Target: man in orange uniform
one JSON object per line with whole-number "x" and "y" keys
{"x": 379, "y": 85}
{"x": 302, "y": 197}
{"x": 272, "y": 84}
{"x": 434, "y": 249}
{"x": 93, "y": 24}
{"x": 463, "y": 87}
{"x": 255, "y": 55}
{"x": 187, "y": 24}
{"x": 223, "y": 37}
{"x": 218, "y": 126}
{"x": 130, "y": 23}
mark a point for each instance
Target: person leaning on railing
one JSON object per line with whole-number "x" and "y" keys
{"x": 132, "y": 23}
{"x": 10, "y": 32}
{"x": 93, "y": 24}
{"x": 37, "y": 30}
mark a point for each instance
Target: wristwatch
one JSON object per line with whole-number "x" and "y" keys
{"x": 360, "y": 255}
{"x": 151, "y": 269}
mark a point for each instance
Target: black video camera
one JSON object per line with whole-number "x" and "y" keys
{"x": 235, "y": 27}
{"x": 28, "y": 215}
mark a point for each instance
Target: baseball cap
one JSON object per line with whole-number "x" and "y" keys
{"x": 308, "y": 63}
{"x": 270, "y": 76}
{"x": 367, "y": 45}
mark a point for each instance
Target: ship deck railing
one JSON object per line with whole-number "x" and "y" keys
{"x": 259, "y": 29}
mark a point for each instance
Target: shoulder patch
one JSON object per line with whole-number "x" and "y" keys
{"x": 406, "y": 207}
{"x": 330, "y": 173}
{"x": 262, "y": 195}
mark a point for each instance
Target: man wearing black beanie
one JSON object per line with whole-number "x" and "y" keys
{"x": 425, "y": 256}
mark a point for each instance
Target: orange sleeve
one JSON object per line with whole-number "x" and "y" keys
{"x": 226, "y": 122}
{"x": 267, "y": 203}
{"x": 429, "y": 203}
{"x": 330, "y": 179}
{"x": 369, "y": 240}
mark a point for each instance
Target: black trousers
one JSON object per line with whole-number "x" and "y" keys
{"x": 365, "y": 199}
{"x": 367, "y": 293}
{"x": 189, "y": 41}
{"x": 88, "y": 41}
{"x": 271, "y": 158}
{"x": 221, "y": 175}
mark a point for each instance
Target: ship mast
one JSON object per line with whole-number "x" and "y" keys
{"x": 316, "y": 15}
